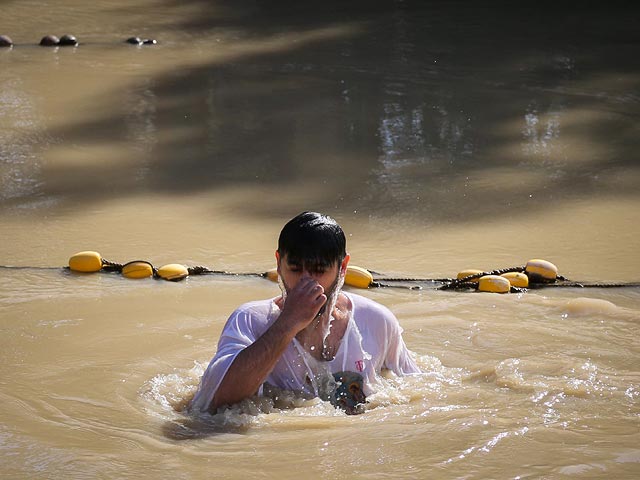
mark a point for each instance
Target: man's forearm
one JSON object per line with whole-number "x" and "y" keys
{"x": 252, "y": 365}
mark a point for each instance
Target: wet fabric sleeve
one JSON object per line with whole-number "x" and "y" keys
{"x": 237, "y": 335}
{"x": 398, "y": 358}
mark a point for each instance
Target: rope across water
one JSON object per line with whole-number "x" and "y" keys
{"x": 535, "y": 274}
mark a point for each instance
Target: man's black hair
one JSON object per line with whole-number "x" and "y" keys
{"x": 314, "y": 239}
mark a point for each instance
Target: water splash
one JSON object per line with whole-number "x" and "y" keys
{"x": 331, "y": 303}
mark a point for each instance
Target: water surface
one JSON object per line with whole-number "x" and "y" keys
{"x": 442, "y": 136}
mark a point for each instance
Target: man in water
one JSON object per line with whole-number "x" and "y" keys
{"x": 312, "y": 332}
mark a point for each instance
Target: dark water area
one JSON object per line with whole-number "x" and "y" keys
{"x": 434, "y": 109}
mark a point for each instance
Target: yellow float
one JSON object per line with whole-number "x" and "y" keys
{"x": 517, "y": 279}
{"x": 87, "y": 262}
{"x": 137, "y": 269}
{"x": 173, "y": 272}
{"x": 494, "y": 284}
{"x": 541, "y": 271}
{"x": 272, "y": 274}
{"x": 358, "y": 277}
{"x": 468, "y": 273}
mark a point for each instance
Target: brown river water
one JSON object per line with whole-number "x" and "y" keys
{"x": 441, "y": 135}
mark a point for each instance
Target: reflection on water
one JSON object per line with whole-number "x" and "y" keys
{"x": 19, "y": 136}
{"x": 141, "y": 127}
{"x": 442, "y": 136}
{"x": 540, "y": 134}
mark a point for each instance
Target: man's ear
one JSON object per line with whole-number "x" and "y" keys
{"x": 278, "y": 261}
{"x": 345, "y": 263}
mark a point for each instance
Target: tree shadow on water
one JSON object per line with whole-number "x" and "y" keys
{"x": 397, "y": 106}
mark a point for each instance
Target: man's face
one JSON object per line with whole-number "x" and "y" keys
{"x": 292, "y": 271}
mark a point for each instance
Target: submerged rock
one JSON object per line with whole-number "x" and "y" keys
{"x": 5, "y": 41}
{"x": 50, "y": 41}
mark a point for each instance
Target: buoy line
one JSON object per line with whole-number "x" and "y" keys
{"x": 536, "y": 273}
{"x": 68, "y": 40}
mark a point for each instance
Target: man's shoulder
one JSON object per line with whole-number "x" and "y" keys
{"x": 369, "y": 310}
{"x": 252, "y": 316}
{"x": 374, "y": 321}
{"x": 364, "y": 302}
{"x": 256, "y": 307}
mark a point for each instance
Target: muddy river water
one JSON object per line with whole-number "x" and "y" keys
{"x": 441, "y": 135}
